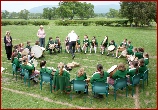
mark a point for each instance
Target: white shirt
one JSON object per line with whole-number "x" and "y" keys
{"x": 72, "y": 36}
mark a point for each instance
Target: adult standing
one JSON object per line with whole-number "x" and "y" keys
{"x": 72, "y": 42}
{"x": 41, "y": 34}
{"x": 8, "y": 44}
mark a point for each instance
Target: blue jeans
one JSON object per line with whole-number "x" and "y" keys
{"x": 42, "y": 42}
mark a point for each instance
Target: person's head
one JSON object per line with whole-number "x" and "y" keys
{"x": 140, "y": 49}
{"x": 125, "y": 40}
{"x": 57, "y": 37}
{"x": 60, "y": 67}
{"x": 41, "y": 26}
{"x": 25, "y": 59}
{"x": 134, "y": 64}
{"x": 72, "y": 31}
{"x": 37, "y": 42}
{"x": 141, "y": 62}
{"x": 78, "y": 37}
{"x": 7, "y": 33}
{"x": 85, "y": 37}
{"x": 50, "y": 38}
{"x": 21, "y": 45}
{"x": 42, "y": 63}
{"x": 28, "y": 42}
{"x": 129, "y": 42}
{"x": 112, "y": 41}
{"x": 15, "y": 54}
{"x": 135, "y": 49}
{"x": 80, "y": 72}
{"x": 94, "y": 37}
{"x": 121, "y": 67}
{"x": 146, "y": 55}
{"x": 100, "y": 70}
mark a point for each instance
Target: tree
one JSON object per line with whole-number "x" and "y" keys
{"x": 23, "y": 14}
{"x": 5, "y": 14}
{"x": 49, "y": 12}
{"x": 112, "y": 13}
{"x": 141, "y": 13}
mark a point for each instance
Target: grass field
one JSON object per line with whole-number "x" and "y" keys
{"x": 17, "y": 95}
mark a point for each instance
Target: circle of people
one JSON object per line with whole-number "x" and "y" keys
{"x": 136, "y": 57}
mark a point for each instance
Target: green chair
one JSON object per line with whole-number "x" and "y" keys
{"x": 14, "y": 70}
{"x": 79, "y": 85}
{"x": 120, "y": 83}
{"x": 45, "y": 77}
{"x": 100, "y": 88}
{"x": 26, "y": 77}
{"x": 135, "y": 81}
{"x": 145, "y": 78}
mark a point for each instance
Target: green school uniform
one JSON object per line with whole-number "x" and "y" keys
{"x": 123, "y": 44}
{"x": 129, "y": 49}
{"x": 19, "y": 55}
{"x": 16, "y": 62}
{"x": 28, "y": 67}
{"x": 63, "y": 86}
{"x": 49, "y": 42}
{"x": 96, "y": 43}
{"x": 119, "y": 74}
{"x": 96, "y": 77}
{"x": 139, "y": 55}
{"x": 105, "y": 44}
{"x": 146, "y": 61}
{"x": 86, "y": 41}
{"x": 131, "y": 72}
{"x": 29, "y": 47}
{"x": 65, "y": 73}
{"x": 142, "y": 69}
{"x": 44, "y": 69}
{"x": 78, "y": 41}
{"x": 83, "y": 77}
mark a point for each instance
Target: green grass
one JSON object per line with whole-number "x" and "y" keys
{"x": 140, "y": 37}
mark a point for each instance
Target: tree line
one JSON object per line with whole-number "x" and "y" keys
{"x": 139, "y": 13}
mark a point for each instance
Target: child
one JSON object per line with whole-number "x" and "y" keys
{"x": 99, "y": 76}
{"x": 78, "y": 46}
{"x": 146, "y": 58}
{"x": 112, "y": 42}
{"x": 81, "y": 75}
{"x": 142, "y": 67}
{"x": 85, "y": 44}
{"x": 104, "y": 44}
{"x": 132, "y": 70}
{"x": 94, "y": 44}
{"x": 50, "y": 45}
{"x": 28, "y": 46}
{"x": 67, "y": 45}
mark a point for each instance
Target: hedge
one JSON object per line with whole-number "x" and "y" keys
{"x": 87, "y": 23}
{"x": 36, "y": 23}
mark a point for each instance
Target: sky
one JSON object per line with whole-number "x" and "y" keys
{"x": 16, "y": 6}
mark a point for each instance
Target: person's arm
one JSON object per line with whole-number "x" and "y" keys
{"x": 5, "y": 41}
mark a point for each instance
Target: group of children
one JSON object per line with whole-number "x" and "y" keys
{"x": 138, "y": 65}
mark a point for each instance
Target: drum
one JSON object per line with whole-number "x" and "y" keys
{"x": 121, "y": 49}
{"x": 51, "y": 46}
{"x": 35, "y": 62}
{"x": 37, "y": 50}
{"x": 124, "y": 53}
{"x": 25, "y": 51}
{"x": 112, "y": 70}
{"x": 111, "y": 47}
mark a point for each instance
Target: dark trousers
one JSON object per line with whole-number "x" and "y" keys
{"x": 72, "y": 45}
{"x": 8, "y": 51}
{"x": 42, "y": 42}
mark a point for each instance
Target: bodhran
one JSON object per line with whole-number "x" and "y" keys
{"x": 37, "y": 50}
{"x": 111, "y": 47}
{"x": 124, "y": 53}
{"x": 35, "y": 62}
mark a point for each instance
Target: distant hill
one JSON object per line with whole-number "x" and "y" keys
{"x": 105, "y": 8}
{"x": 97, "y": 8}
{"x": 39, "y": 9}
